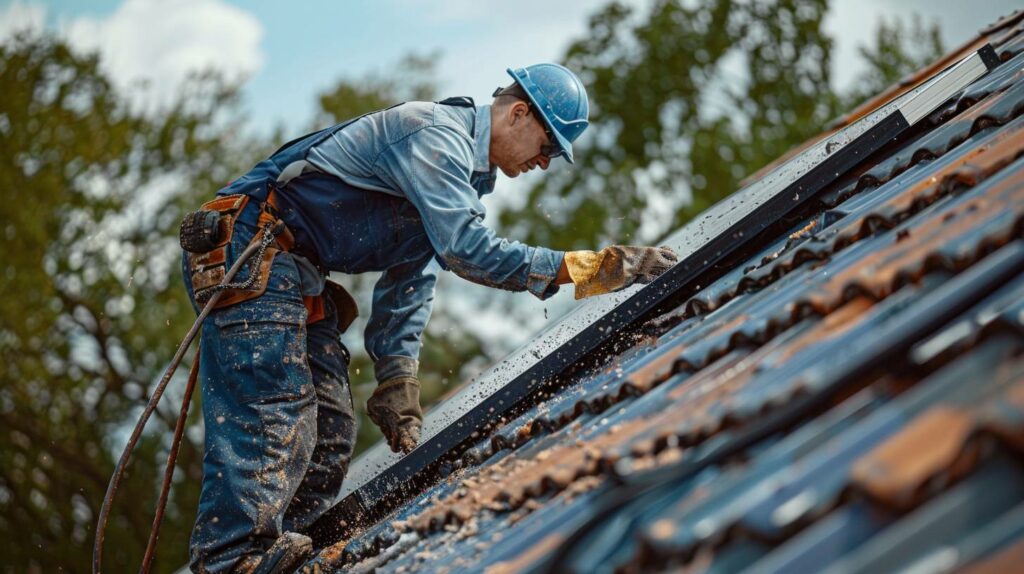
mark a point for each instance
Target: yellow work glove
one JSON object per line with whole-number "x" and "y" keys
{"x": 616, "y": 267}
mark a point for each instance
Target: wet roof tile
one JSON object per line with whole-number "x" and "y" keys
{"x": 889, "y": 321}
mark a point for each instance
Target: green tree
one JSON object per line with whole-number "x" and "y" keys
{"x": 413, "y": 78}
{"x": 686, "y": 99}
{"x": 91, "y": 302}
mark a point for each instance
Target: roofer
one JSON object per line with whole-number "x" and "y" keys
{"x": 396, "y": 191}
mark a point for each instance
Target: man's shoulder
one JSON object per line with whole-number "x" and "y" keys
{"x": 411, "y": 117}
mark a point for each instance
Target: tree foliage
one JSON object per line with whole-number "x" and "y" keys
{"x": 900, "y": 48}
{"x": 91, "y": 302}
{"x": 413, "y": 78}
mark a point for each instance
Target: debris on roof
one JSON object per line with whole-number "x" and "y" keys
{"x": 846, "y": 397}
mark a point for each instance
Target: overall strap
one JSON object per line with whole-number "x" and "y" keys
{"x": 459, "y": 101}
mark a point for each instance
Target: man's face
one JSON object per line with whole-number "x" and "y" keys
{"x": 517, "y": 138}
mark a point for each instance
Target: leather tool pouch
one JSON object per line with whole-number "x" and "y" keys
{"x": 208, "y": 268}
{"x": 206, "y": 236}
{"x": 344, "y": 303}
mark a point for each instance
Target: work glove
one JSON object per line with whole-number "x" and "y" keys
{"x": 395, "y": 404}
{"x": 286, "y": 554}
{"x": 616, "y": 267}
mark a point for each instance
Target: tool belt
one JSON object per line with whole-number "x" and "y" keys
{"x": 206, "y": 235}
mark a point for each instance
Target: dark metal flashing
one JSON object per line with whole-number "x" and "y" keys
{"x": 989, "y": 56}
{"x": 724, "y": 241}
{"x": 683, "y": 279}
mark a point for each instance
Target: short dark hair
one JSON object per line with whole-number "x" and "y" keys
{"x": 513, "y": 90}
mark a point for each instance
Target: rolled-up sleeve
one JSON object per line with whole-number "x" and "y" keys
{"x": 432, "y": 167}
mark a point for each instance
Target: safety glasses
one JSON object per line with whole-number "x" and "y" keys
{"x": 550, "y": 149}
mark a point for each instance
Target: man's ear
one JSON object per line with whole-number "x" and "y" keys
{"x": 518, "y": 111}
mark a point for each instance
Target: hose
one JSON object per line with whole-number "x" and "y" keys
{"x": 269, "y": 233}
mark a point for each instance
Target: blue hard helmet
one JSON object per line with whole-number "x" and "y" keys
{"x": 561, "y": 99}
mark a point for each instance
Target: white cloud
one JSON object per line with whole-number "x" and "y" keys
{"x": 158, "y": 43}
{"x": 18, "y": 17}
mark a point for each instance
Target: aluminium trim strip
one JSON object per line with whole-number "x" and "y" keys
{"x": 955, "y": 79}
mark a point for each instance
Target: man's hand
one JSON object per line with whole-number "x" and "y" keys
{"x": 395, "y": 408}
{"x": 616, "y": 267}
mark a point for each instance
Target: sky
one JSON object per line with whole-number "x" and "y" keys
{"x": 288, "y": 52}
{"x": 291, "y": 51}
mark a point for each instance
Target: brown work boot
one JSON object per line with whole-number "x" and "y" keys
{"x": 395, "y": 408}
{"x": 286, "y": 554}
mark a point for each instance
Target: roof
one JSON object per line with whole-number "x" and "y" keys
{"x": 845, "y": 393}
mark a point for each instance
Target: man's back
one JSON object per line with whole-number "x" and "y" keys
{"x": 351, "y": 153}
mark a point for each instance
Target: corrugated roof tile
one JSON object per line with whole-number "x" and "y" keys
{"x": 913, "y": 462}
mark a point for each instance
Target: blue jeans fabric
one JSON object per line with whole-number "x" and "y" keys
{"x": 278, "y": 412}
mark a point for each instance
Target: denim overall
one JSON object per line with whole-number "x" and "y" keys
{"x": 278, "y": 412}
{"x": 277, "y": 405}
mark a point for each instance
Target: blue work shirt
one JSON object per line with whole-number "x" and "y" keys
{"x": 397, "y": 191}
